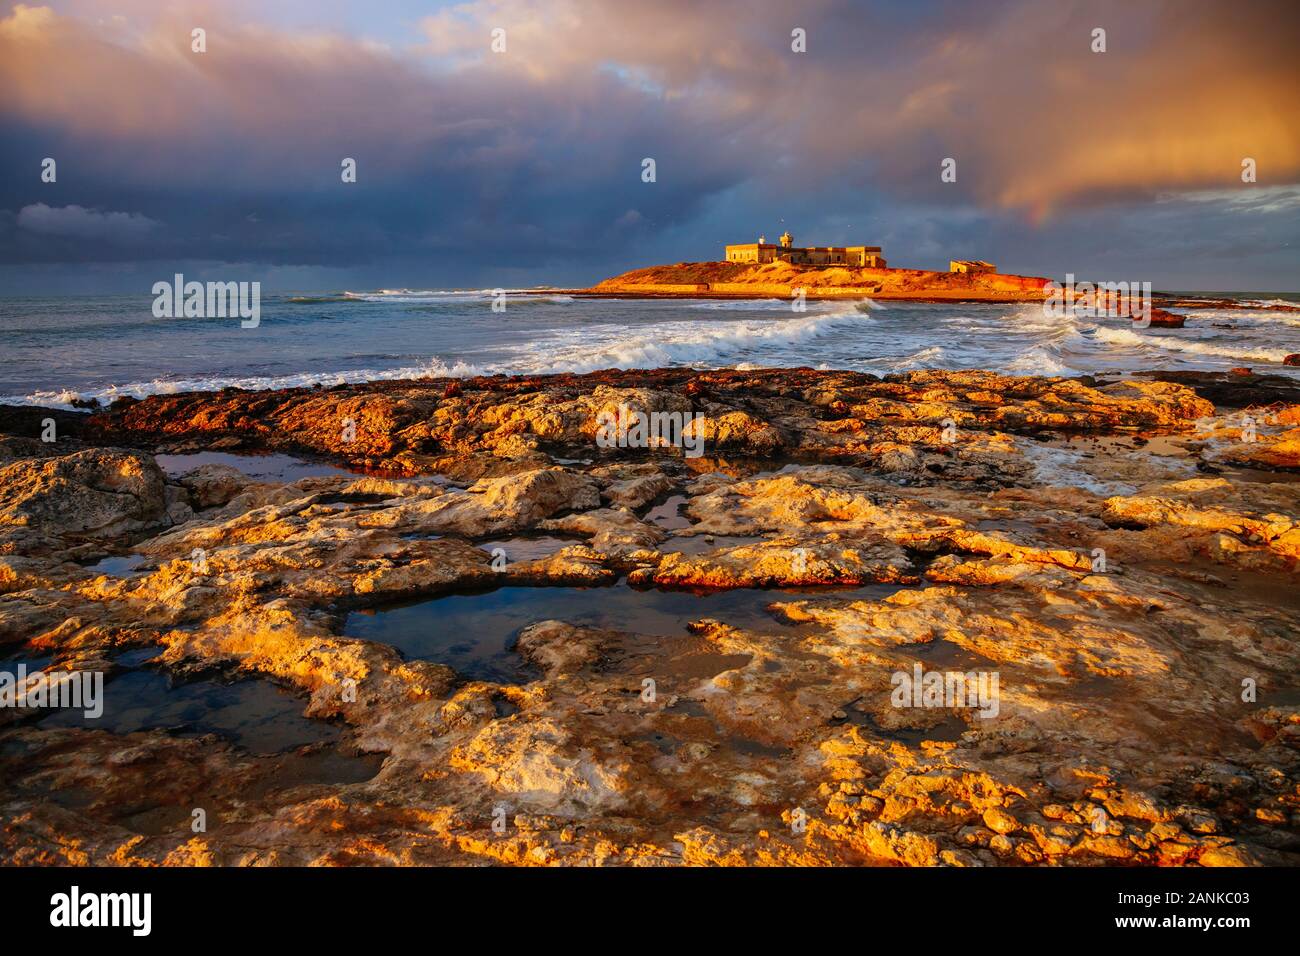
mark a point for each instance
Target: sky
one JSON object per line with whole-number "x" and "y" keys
{"x": 482, "y": 169}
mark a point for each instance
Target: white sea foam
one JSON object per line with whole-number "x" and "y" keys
{"x": 1079, "y": 468}
{"x": 693, "y": 343}
{"x": 1265, "y": 303}
{"x": 676, "y": 343}
{"x": 928, "y": 357}
{"x": 392, "y": 340}
{"x": 1038, "y": 361}
{"x": 744, "y": 305}
{"x": 455, "y": 295}
{"x": 65, "y": 397}
{"x": 1124, "y": 337}
{"x": 1066, "y": 468}
{"x": 1247, "y": 317}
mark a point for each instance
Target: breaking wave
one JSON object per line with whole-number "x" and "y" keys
{"x": 1038, "y": 361}
{"x": 678, "y": 343}
{"x": 64, "y": 398}
{"x": 1124, "y": 337}
{"x": 59, "y": 352}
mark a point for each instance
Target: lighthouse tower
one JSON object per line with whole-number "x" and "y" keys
{"x": 787, "y": 240}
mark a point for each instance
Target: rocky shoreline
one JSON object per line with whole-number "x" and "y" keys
{"x": 1120, "y": 553}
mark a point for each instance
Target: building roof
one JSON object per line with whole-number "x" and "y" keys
{"x": 772, "y": 245}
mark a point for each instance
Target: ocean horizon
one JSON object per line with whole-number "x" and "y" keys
{"x": 62, "y": 350}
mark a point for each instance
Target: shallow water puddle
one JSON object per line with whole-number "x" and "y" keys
{"x": 668, "y": 514}
{"x": 529, "y": 549}
{"x": 253, "y": 714}
{"x": 1213, "y": 583}
{"x": 688, "y": 710}
{"x": 1256, "y": 474}
{"x": 117, "y": 565}
{"x": 942, "y": 654}
{"x": 322, "y": 764}
{"x": 707, "y": 544}
{"x": 285, "y": 750}
{"x": 30, "y": 664}
{"x": 269, "y": 467}
{"x": 947, "y": 729}
{"x": 474, "y": 633}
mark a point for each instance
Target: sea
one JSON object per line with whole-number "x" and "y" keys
{"x": 55, "y": 351}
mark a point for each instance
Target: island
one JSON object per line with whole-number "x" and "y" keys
{"x": 764, "y": 270}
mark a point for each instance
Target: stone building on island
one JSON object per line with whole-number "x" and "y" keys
{"x": 970, "y": 265}
{"x": 764, "y": 251}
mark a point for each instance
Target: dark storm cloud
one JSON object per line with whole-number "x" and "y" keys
{"x": 236, "y": 153}
{"x": 475, "y": 166}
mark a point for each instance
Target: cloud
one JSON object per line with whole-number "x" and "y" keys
{"x": 1260, "y": 200}
{"x": 1036, "y": 119}
{"x": 80, "y": 223}
{"x": 532, "y": 158}
{"x": 239, "y": 149}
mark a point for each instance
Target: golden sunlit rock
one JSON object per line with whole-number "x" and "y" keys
{"x": 1108, "y": 552}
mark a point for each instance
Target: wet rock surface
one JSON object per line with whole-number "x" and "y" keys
{"x": 1114, "y": 560}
